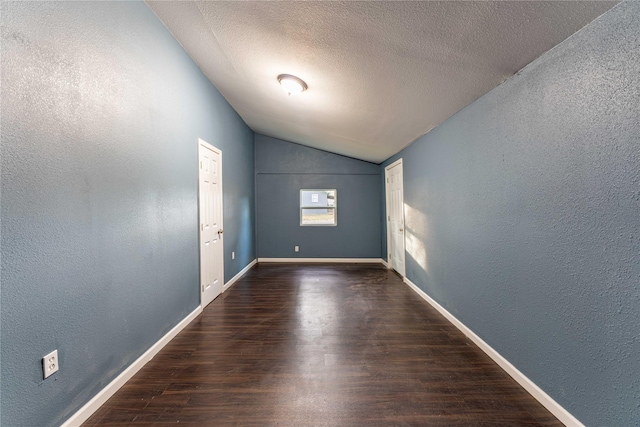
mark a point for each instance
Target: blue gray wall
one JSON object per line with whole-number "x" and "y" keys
{"x": 101, "y": 111}
{"x": 282, "y": 170}
{"x": 523, "y": 219}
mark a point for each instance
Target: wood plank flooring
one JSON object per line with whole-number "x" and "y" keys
{"x": 321, "y": 345}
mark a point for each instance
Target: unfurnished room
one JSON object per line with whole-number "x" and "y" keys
{"x": 320, "y": 213}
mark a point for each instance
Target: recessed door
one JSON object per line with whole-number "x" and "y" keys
{"x": 210, "y": 217}
{"x": 395, "y": 216}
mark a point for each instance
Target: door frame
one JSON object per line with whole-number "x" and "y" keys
{"x": 216, "y": 150}
{"x": 387, "y": 169}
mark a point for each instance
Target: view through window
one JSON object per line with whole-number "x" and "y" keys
{"x": 318, "y": 207}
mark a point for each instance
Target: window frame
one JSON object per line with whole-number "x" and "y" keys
{"x": 334, "y": 207}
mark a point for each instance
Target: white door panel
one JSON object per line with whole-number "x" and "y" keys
{"x": 395, "y": 216}
{"x": 210, "y": 213}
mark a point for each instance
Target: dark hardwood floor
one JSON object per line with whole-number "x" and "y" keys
{"x": 321, "y": 345}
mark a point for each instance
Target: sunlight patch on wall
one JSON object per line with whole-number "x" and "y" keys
{"x": 416, "y": 235}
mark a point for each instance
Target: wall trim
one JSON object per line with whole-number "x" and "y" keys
{"x": 241, "y": 273}
{"x": 547, "y": 401}
{"x": 103, "y": 395}
{"x": 385, "y": 263}
{"x": 327, "y": 260}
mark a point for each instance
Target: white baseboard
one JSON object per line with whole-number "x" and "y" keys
{"x": 314, "y": 260}
{"x": 103, "y": 395}
{"x": 554, "y": 407}
{"x": 385, "y": 263}
{"x": 241, "y": 273}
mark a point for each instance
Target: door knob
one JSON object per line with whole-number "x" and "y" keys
{"x": 402, "y": 229}
{"x": 220, "y": 231}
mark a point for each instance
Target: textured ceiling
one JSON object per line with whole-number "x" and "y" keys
{"x": 380, "y": 74}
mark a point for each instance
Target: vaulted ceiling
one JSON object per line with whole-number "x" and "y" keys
{"x": 380, "y": 74}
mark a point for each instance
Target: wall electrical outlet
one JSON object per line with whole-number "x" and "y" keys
{"x": 296, "y": 248}
{"x": 50, "y": 364}
{"x": 233, "y": 255}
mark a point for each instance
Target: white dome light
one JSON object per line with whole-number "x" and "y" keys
{"x": 292, "y": 84}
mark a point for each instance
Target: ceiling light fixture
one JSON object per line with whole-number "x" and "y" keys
{"x": 292, "y": 84}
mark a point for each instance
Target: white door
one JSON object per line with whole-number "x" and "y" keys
{"x": 210, "y": 213}
{"x": 395, "y": 216}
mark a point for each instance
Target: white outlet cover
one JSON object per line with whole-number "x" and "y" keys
{"x": 50, "y": 364}
{"x": 233, "y": 255}
{"x": 296, "y": 248}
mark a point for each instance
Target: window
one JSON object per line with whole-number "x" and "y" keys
{"x": 318, "y": 207}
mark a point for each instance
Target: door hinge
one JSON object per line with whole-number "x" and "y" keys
{"x": 388, "y": 218}
{"x": 202, "y": 287}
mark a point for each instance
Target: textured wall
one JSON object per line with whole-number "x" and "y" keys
{"x": 282, "y": 170}
{"x": 523, "y": 219}
{"x": 101, "y": 111}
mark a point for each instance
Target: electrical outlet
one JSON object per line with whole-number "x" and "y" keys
{"x": 50, "y": 364}
{"x": 233, "y": 255}
{"x": 296, "y": 248}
